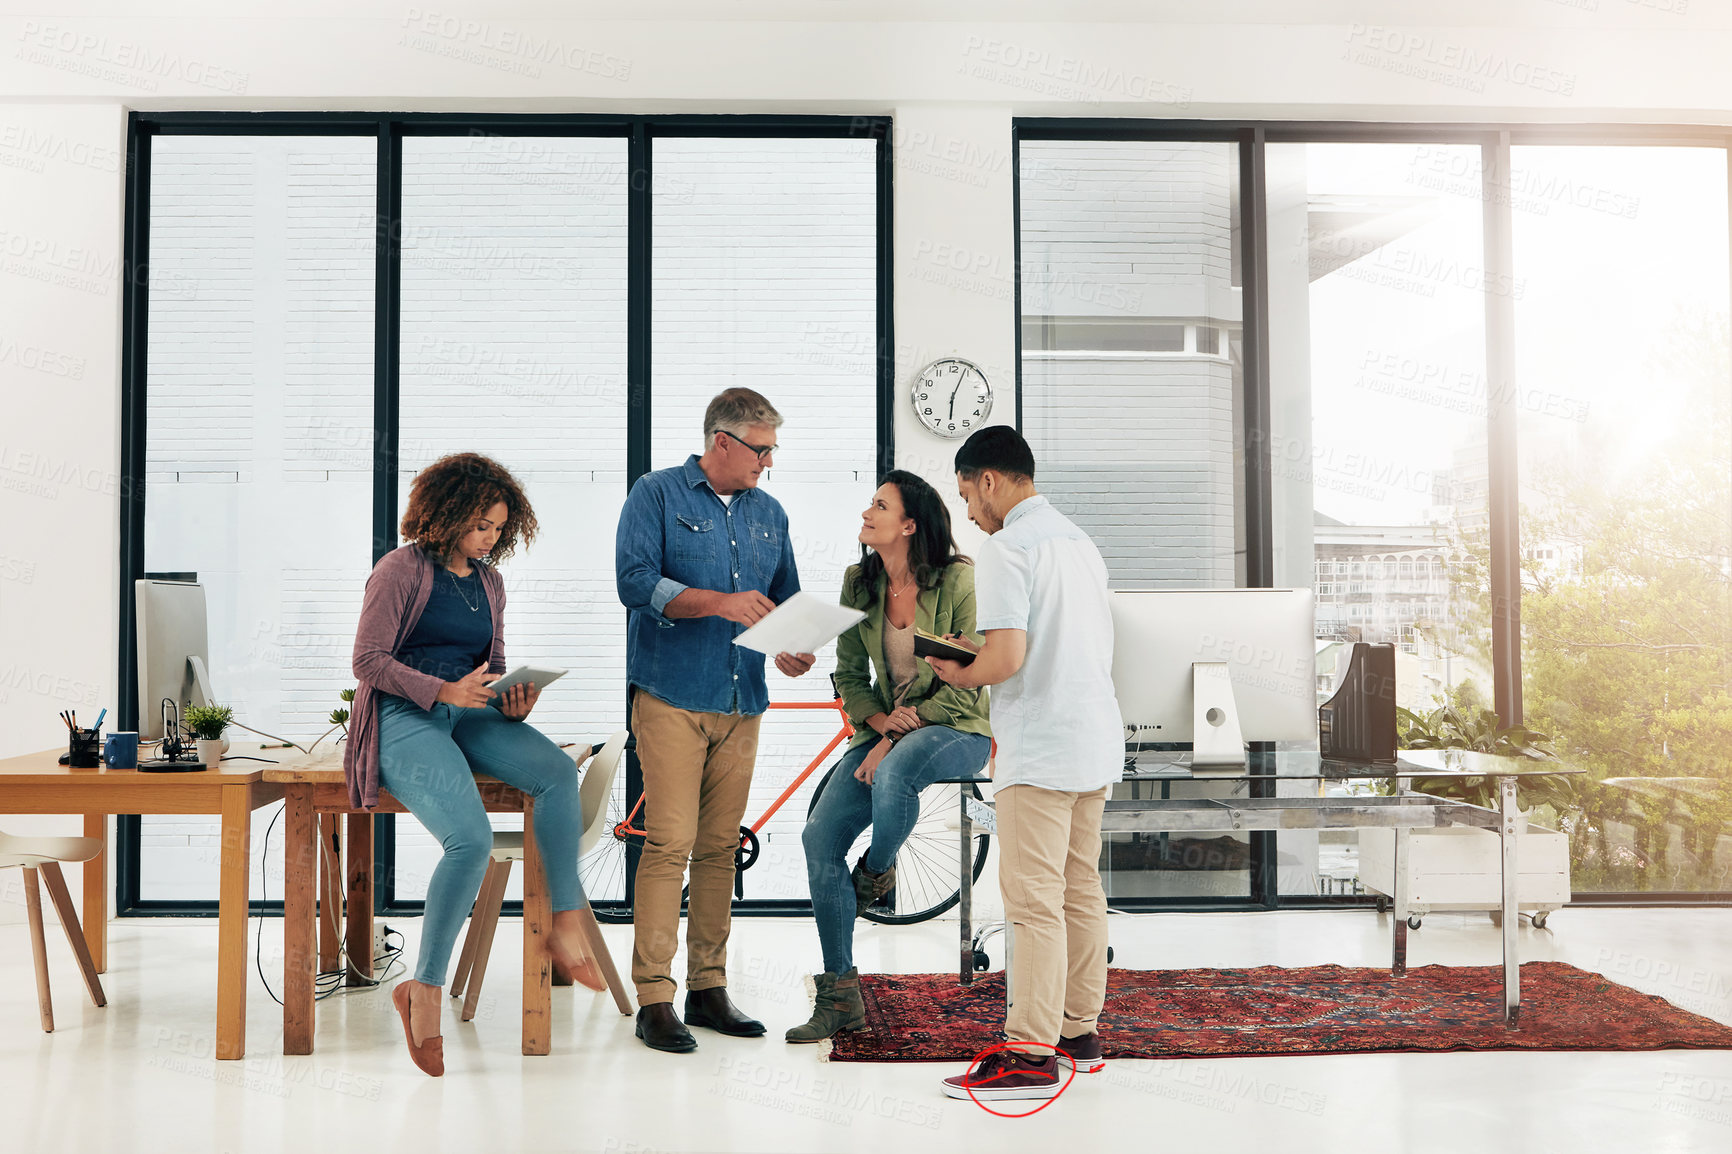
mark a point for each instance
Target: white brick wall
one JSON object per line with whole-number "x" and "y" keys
{"x": 1140, "y": 451}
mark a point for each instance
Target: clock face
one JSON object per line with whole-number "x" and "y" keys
{"x": 951, "y": 397}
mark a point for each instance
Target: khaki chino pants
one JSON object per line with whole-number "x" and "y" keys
{"x": 697, "y": 771}
{"x": 1049, "y": 873}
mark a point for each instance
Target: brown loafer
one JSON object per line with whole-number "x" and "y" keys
{"x": 429, "y": 1056}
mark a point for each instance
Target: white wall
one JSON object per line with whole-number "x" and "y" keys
{"x": 60, "y": 236}
{"x": 953, "y": 85}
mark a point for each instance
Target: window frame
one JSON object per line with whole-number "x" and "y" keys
{"x": 389, "y": 130}
{"x": 1495, "y": 142}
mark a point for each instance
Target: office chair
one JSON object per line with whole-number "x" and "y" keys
{"x": 44, "y": 854}
{"x": 593, "y": 793}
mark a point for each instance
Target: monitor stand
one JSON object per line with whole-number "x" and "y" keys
{"x": 1217, "y": 744}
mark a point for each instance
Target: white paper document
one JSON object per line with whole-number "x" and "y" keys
{"x": 801, "y": 624}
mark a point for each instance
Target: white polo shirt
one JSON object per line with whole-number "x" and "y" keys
{"x": 1056, "y": 719}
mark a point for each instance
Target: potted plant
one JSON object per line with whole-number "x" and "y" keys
{"x": 1458, "y": 867}
{"x": 339, "y": 719}
{"x": 207, "y": 723}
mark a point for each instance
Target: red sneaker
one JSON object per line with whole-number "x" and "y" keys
{"x": 1082, "y": 1054}
{"x": 1006, "y": 1075}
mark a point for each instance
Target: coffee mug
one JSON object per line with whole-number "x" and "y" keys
{"x": 120, "y": 751}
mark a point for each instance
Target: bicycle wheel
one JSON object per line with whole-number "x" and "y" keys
{"x": 602, "y": 869}
{"x": 928, "y": 873}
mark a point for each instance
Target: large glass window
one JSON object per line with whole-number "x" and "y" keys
{"x": 513, "y": 337}
{"x": 1626, "y": 512}
{"x": 1380, "y": 280}
{"x": 514, "y": 316}
{"x": 1378, "y": 399}
{"x": 259, "y": 459}
{"x": 764, "y": 275}
{"x": 1131, "y": 392}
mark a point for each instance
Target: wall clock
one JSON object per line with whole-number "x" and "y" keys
{"x": 951, "y": 397}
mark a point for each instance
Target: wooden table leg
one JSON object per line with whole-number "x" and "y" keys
{"x": 96, "y": 893}
{"x": 537, "y": 959}
{"x": 237, "y": 815}
{"x": 360, "y": 878}
{"x": 330, "y": 892}
{"x": 300, "y": 847}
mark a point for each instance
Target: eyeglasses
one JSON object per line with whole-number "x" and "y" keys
{"x": 762, "y": 450}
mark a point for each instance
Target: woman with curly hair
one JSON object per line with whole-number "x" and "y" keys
{"x": 431, "y": 636}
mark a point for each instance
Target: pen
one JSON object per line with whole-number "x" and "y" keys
{"x": 99, "y": 718}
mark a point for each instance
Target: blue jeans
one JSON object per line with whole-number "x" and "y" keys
{"x": 428, "y": 760}
{"x": 890, "y": 805}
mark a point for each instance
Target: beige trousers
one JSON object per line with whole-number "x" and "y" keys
{"x": 1049, "y": 872}
{"x": 697, "y": 771}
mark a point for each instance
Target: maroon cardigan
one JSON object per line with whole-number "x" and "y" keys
{"x": 396, "y": 596}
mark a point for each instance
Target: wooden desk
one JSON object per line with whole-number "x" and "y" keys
{"x": 37, "y": 783}
{"x": 313, "y": 790}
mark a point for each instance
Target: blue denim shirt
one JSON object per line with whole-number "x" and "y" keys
{"x": 675, "y": 533}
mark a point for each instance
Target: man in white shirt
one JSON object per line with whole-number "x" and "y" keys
{"x": 1041, "y": 602}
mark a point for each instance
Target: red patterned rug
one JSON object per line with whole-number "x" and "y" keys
{"x": 1271, "y": 1010}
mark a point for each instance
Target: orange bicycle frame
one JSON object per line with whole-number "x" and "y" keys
{"x": 625, "y": 828}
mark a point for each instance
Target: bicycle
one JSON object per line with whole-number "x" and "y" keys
{"x": 927, "y": 881}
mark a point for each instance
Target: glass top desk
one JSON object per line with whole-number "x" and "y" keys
{"x": 1290, "y": 791}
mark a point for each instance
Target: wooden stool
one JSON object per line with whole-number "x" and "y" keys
{"x": 45, "y": 854}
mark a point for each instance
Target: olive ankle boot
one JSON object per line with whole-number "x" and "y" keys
{"x": 838, "y": 1007}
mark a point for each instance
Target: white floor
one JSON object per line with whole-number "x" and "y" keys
{"x": 138, "y": 1075}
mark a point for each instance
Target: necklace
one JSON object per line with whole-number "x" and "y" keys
{"x": 906, "y": 585}
{"x": 473, "y": 608}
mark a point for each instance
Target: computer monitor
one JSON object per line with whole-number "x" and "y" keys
{"x": 1216, "y": 668}
{"x": 173, "y": 650}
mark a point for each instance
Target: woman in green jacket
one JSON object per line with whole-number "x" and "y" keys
{"x": 912, "y": 728}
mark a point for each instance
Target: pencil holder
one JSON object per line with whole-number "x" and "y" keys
{"x": 85, "y": 750}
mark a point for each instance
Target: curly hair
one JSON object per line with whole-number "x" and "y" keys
{"x": 448, "y": 495}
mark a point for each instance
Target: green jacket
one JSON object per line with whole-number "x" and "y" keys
{"x": 864, "y": 680}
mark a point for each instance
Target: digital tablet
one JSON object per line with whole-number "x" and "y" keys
{"x": 541, "y": 675}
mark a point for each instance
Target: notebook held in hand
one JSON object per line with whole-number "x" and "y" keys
{"x": 931, "y": 645}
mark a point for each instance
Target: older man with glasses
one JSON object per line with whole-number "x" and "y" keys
{"x": 701, "y": 554}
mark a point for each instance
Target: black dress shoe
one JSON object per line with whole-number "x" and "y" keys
{"x": 661, "y": 1029}
{"x": 712, "y": 1008}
